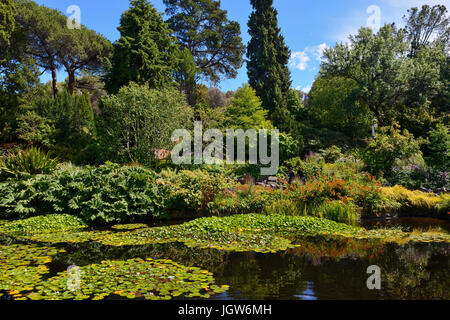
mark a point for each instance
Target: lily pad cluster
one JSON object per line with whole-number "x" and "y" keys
{"x": 129, "y": 226}
{"x": 134, "y": 278}
{"x": 44, "y": 224}
{"x": 253, "y": 232}
{"x": 22, "y": 266}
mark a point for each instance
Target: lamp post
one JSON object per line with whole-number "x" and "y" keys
{"x": 374, "y": 127}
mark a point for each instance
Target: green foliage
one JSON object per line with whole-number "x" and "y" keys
{"x": 64, "y": 124}
{"x": 192, "y": 190}
{"x": 427, "y": 25}
{"x": 137, "y": 121}
{"x": 419, "y": 177}
{"x": 245, "y": 111}
{"x": 106, "y": 194}
{"x": 36, "y": 130}
{"x": 393, "y": 85}
{"x": 81, "y": 49}
{"x": 146, "y": 51}
{"x": 268, "y": 69}
{"x": 7, "y": 22}
{"x": 338, "y": 211}
{"x": 295, "y": 105}
{"x": 332, "y": 154}
{"x": 186, "y": 74}
{"x": 42, "y": 28}
{"x": 365, "y": 193}
{"x": 242, "y": 200}
{"x": 390, "y": 145}
{"x": 44, "y": 224}
{"x": 29, "y": 162}
{"x": 204, "y": 29}
{"x": 439, "y": 144}
{"x": 311, "y": 167}
{"x": 334, "y": 104}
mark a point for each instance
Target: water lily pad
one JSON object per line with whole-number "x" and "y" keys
{"x": 134, "y": 278}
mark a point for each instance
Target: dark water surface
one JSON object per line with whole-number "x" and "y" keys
{"x": 319, "y": 269}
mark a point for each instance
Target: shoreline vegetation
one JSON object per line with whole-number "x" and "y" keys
{"x": 87, "y": 161}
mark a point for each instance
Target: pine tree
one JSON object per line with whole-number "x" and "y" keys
{"x": 145, "y": 52}
{"x": 268, "y": 58}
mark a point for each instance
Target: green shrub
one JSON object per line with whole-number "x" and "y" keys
{"x": 44, "y": 224}
{"x": 332, "y": 154}
{"x": 109, "y": 193}
{"x": 36, "y": 130}
{"x": 390, "y": 146}
{"x": 243, "y": 199}
{"x": 62, "y": 123}
{"x": 29, "y": 162}
{"x": 192, "y": 190}
{"x": 439, "y": 145}
{"x": 311, "y": 167}
{"x": 137, "y": 121}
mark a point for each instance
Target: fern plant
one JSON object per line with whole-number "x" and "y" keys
{"x": 28, "y": 162}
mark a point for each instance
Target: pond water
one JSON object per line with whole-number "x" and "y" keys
{"x": 319, "y": 269}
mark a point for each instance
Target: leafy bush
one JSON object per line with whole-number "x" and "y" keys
{"x": 109, "y": 193}
{"x": 192, "y": 190}
{"x": 283, "y": 206}
{"x": 444, "y": 206}
{"x": 29, "y": 162}
{"x": 45, "y": 224}
{"x": 63, "y": 123}
{"x": 390, "y": 146}
{"x": 137, "y": 121}
{"x": 35, "y": 129}
{"x": 439, "y": 144}
{"x": 243, "y": 199}
{"x": 311, "y": 167}
{"x": 332, "y": 154}
{"x": 414, "y": 178}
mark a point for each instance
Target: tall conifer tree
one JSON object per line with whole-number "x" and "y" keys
{"x": 268, "y": 58}
{"x": 145, "y": 52}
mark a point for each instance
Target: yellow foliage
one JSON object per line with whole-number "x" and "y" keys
{"x": 412, "y": 199}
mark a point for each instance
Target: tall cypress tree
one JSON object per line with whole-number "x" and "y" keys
{"x": 145, "y": 52}
{"x": 268, "y": 58}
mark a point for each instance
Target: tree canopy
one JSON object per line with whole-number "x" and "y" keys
{"x": 245, "y": 111}
{"x": 7, "y": 22}
{"x": 146, "y": 53}
{"x": 204, "y": 29}
{"x": 389, "y": 82}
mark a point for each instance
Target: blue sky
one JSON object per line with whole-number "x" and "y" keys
{"x": 308, "y": 26}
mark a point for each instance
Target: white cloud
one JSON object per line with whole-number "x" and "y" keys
{"x": 319, "y": 51}
{"x": 300, "y": 59}
{"x": 306, "y": 89}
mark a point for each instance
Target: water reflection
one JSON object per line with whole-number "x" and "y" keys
{"x": 318, "y": 269}
{"x": 308, "y": 294}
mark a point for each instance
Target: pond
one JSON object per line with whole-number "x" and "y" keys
{"x": 319, "y": 269}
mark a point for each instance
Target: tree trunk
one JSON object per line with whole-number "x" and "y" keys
{"x": 54, "y": 82}
{"x": 71, "y": 84}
